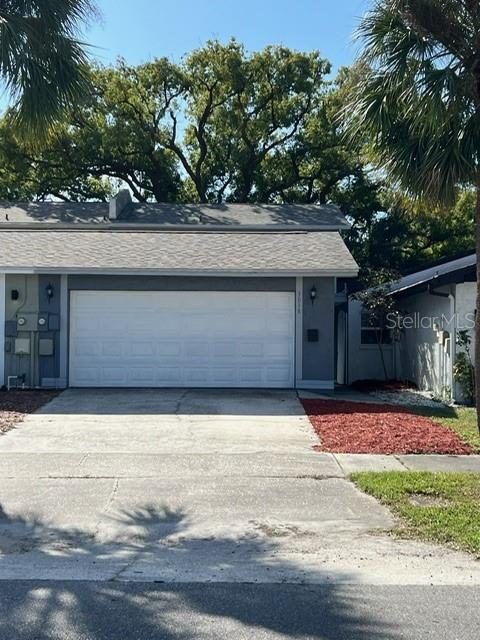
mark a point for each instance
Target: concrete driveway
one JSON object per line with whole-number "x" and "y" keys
{"x": 205, "y": 514}
{"x": 193, "y": 486}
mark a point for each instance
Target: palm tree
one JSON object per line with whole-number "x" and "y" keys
{"x": 43, "y": 65}
{"x": 416, "y": 100}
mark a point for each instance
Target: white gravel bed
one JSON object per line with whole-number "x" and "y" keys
{"x": 408, "y": 397}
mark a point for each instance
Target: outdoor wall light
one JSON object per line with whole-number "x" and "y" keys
{"x": 49, "y": 291}
{"x": 313, "y": 294}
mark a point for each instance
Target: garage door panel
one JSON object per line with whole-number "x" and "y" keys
{"x": 127, "y": 338}
{"x": 278, "y": 349}
{"x": 224, "y": 350}
{"x": 142, "y": 348}
{"x": 168, "y": 375}
{"x": 87, "y": 348}
{"x": 250, "y": 349}
{"x": 142, "y": 375}
{"x": 114, "y": 375}
{"x": 279, "y": 326}
{"x": 198, "y": 324}
{"x": 224, "y": 375}
{"x": 85, "y": 323}
{"x": 277, "y": 375}
{"x": 221, "y": 326}
{"x": 168, "y": 328}
{"x": 112, "y": 348}
{"x": 197, "y": 375}
{"x": 87, "y": 376}
{"x": 197, "y": 350}
{"x": 250, "y": 375}
{"x": 117, "y": 324}
{"x": 169, "y": 349}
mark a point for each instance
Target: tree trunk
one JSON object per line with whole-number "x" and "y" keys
{"x": 477, "y": 308}
{"x": 379, "y": 335}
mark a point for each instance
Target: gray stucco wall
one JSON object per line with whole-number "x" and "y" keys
{"x": 32, "y": 299}
{"x": 417, "y": 355}
{"x": 465, "y": 302}
{"x": 49, "y": 365}
{"x": 365, "y": 360}
{"x": 27, "y": 302}
{"x": 317, "y": 357}
{"x": 2, "y": 333}
{"x": 421, "y": 358}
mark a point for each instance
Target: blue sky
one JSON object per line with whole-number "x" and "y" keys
{"x": 140, "y": 30}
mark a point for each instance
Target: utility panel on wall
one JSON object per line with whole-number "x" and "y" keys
{"x": 22, "y": 346}
{"x": 45, "y": 347}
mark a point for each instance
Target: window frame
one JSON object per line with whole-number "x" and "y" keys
{"x": 374, "y": 329}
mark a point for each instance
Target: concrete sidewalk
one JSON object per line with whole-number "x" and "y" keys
{"x": 352, "y": 462}
{"x": 84, "y": 465}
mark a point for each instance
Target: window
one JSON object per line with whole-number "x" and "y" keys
{"x": 373, "y": 329}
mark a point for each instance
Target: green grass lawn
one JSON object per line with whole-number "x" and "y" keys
{"x": 439, "y": 507}
{"x": 462, "y": 420}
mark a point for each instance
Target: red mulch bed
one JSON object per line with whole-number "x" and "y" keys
{"x": 360, "y": 427}
{"x": 15, "y": 405}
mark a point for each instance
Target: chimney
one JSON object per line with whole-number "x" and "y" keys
{"x": 119, "y": 204}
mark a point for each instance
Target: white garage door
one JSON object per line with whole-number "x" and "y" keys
{"x": 181, "y": 338}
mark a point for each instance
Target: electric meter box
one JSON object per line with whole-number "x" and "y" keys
{"x": 27, "y": 322}
{"x": 42, "y": 322}
{"x": 22, "y": 346}
{"x": 32, "y": 322}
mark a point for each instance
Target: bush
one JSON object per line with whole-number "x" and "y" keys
{"x": 463, "y": 369}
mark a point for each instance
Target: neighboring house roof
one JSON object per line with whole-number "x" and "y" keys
{"x": 457, "y": 270}
{"x": 303, "y": 216}
{"x": 173, "y": 252}
{"x": 241, "y": 216}
{"x": 23, "y": 213}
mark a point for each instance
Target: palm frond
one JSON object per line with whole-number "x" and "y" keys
{"x": 43, "y": 62}
{"x": 418, "y": 100}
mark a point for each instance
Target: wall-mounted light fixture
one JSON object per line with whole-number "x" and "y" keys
{"x": 14, "y": 294}
{"x": 49, "y": 291}
{"x": 313, "y": 294}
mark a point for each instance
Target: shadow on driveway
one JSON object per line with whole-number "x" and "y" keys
{"x": 115, "y": 610}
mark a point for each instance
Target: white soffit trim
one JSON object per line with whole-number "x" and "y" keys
{"x": 298, "y": 327}
{"x": 329, "y": 273}
{"x": 63, "y": 350}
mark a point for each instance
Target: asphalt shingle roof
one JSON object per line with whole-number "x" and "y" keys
{"x": 12, "y": 213}
{"x": 244, "y": 215}
{"x": 231, "y": 216}
{"x": 433, "y": 273}
{"x": 175, "y": 252}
